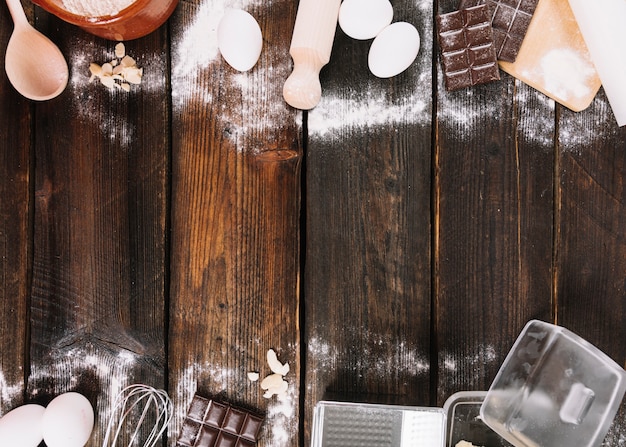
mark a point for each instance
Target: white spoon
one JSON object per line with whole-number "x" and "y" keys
{"x": 34, "y": 65}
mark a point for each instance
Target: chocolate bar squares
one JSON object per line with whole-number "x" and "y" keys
{"x": 510, "y": 20}
{"x": 467, "y": 47}
{"x": 213, "y": 424}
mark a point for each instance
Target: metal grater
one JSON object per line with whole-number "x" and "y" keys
{"x": 366, "y": 425}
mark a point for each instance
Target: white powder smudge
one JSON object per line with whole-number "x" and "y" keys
{"x": 198, "y": 46}
{"x": 9, "y": 392}
{"x": 372, "y": 109}
{"x": 117, "y": 129}
{"x": 261, "y": 112}
{"x": 96, "y": 8}
{"x": 111, "y": 373}
{"x": 566, "y": 73}
{"x": 405, "y": 361}
{"x": 459, "y": 112}
{"x": 485, "y": 354}
{"x": 538, "y": 122}
{"x": 281, "y": 420}
{"x": 366, "y": 107}
{"x": 577, "y": 135}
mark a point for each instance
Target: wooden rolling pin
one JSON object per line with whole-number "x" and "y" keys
{"x": 311, "y": 44}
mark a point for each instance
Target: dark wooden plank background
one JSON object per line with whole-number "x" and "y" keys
{"x": 390, "y": 244}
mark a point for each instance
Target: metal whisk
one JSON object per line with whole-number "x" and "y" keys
{"x": 144, "y": 402}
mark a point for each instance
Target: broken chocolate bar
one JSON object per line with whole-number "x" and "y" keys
{"x": 510, "y": 20}
{"x": 214, "y": 424}
{"x": 468, "y": 54}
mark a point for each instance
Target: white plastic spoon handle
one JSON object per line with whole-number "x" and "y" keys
{"x": 17, "y": 12}
{"x": 311, "y": 45}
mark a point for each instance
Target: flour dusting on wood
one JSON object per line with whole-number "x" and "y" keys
{"x": 281, "y": 419}
{"x": 10, "y": 393}
{"x": 398, "y": 101}
{"x": 111, "y": 122}
{"x": 248, "y": 106}
{"x": 471, "y": 365}
{"x": 404, "y": 360}
{"x": 85, "y": 366}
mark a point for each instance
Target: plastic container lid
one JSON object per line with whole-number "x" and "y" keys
{"x": 554, "y": 389}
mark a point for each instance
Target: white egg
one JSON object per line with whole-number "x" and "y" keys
{"x": 68, "y": 421}
{"x": 393, "y": 50}
{"x": 364, "y": 19}
{"x": 239, "y": 39}
{"x": 21, "y": 427}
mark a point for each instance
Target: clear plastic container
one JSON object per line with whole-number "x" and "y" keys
{"x": 139, "y": 19}
{"x": 554, "y": 389}
{"x": 465, "y": 424}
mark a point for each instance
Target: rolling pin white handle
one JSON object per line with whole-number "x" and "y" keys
{"x": 601, "y": 23}
{"x": 311, "y": 44}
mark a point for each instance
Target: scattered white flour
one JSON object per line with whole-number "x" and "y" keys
{"x": 96, "y": 8}
{"x": 365, "y": 107}
{"x": 9, "y": 392}
{"x": 334, "y": 112}
{"x": 261, "y": 116}
{"x": 111, "y": 373}
{"x": 471, "y": 365}
{"x": 281, "y": 420}
{"x": 119, "y": 128}
{"x": 576, "y": 134}
{"x": 566, "y": 73}
{"x": 404, "y": 363}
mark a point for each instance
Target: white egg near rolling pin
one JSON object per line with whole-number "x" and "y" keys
{"x": 239, "y": 39}
{"x": 364, "y": 19}
{"x": 21, "y": 427}
{"x": 68, "y": 421}
{"x": 393, "y": 50}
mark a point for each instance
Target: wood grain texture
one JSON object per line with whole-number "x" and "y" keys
{"x": 389, "y": 244}
{"x": 98, "y": 293}
{"x": 15, "y": 245}
{"x": 368, "y": 221}
{"x": 493, "y": 192}
{"x": 591, "y": 260}
{"x": 235, "y": 219}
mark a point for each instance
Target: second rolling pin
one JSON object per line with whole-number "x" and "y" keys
{"x": 311, "y": 45}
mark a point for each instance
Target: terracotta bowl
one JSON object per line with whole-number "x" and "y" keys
{"x": 137, "y": 20}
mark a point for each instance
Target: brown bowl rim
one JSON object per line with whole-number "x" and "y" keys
{"x": 131, "y": 10}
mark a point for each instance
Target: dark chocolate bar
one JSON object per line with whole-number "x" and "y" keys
{"x": 214, "y": 424}
{"x": 468, "y": 53}
{"x": 510, "y": 20}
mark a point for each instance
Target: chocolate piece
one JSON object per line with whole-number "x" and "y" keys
{"x": 468, "y": 54}
{"x": 510, "y": 20}
{"x": 214, "y": 424}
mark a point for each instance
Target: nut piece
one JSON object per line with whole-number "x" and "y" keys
{"x": 275, "y": 365}
{"x": 120, "y": 50}
{"x": 274, "y": 384}
{"x": 120, "y": 73}
{"x": 253, "y": 376}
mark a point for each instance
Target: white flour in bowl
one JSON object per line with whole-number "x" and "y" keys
{"x": 96, "y": 8}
